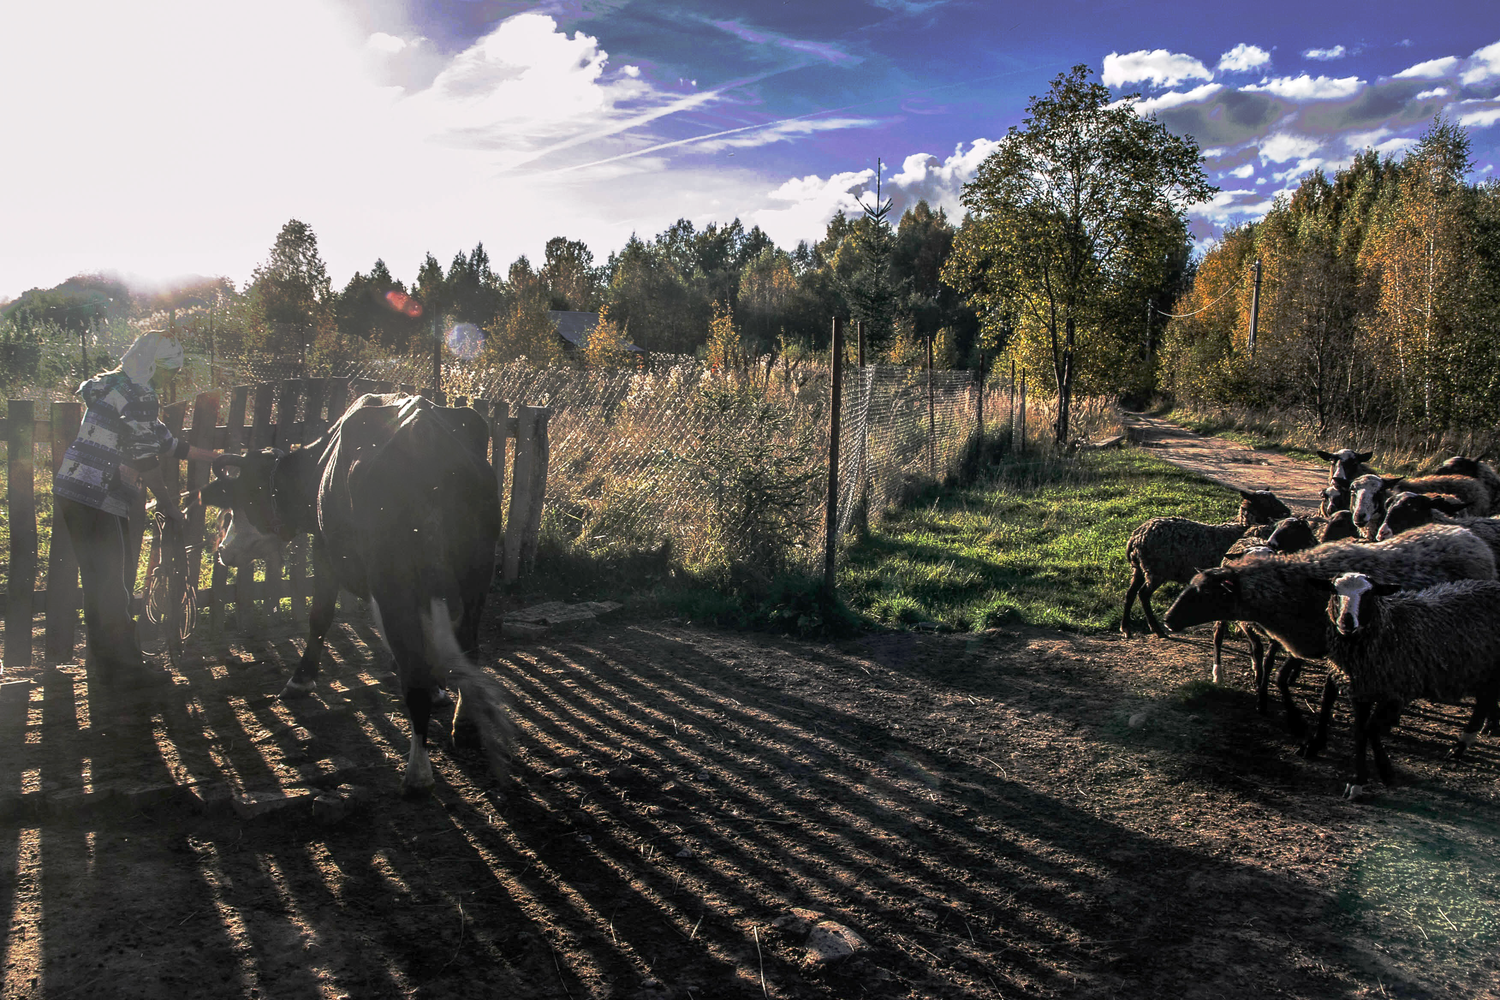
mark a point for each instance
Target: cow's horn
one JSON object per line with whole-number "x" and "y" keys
{"x": 223, "y": 461}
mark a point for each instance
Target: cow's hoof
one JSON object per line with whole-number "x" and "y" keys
{"x": 1354, "y": 792}
{"x": 416, "y": 789}
{"x": 297, "y": 689}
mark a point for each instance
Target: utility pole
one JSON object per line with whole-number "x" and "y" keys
{"x": 1254, "y": 307}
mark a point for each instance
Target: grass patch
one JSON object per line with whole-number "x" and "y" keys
{"x": 1220, "y": 424}
{"x": 1035, "y": 542}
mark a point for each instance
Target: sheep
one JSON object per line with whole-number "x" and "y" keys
{"x": 1335, "y": 499}
{"x": 1346, "y": 465}
{"x": 1370, "y": 494}
{"x": 1172, "y": 549}
{"x": 1290, "y": 534}
{"x": 1276, "y": 594}
{"x": 1339, "y": 527}
{"x": 1439, "y": 644}
{"x": 1460, "y": 465}
{"x": 1410, "y": 510}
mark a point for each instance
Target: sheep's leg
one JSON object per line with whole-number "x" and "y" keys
{"x": 1484, "y": 707}
{"x": 1135, "y": 586}
{"x": 1257, "y": 652}
{"x": 1146, "y": 593}
{"x": 1356, "y": 788}
{"x": 1382, "y": 718}
{"x": 1319, "y": 740}
{"x": 1220, "y": 631}
{"x": 1285, "y": 678}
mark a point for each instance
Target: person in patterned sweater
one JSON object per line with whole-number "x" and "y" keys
{"x": 118, "y": 448}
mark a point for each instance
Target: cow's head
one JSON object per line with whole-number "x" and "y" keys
{"x": 255, "y": 530}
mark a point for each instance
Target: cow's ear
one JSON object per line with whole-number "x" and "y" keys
{"x": 215, "y": 494}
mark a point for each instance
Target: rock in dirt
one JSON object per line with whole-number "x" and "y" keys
{"x": 254, "y": 805}
{"x": 797, "y": 921}
{"x": 334, "y": 806}
{"x": 830, "y": 941}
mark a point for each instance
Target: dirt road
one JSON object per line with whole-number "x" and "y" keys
{"x": 1235, "y": 465}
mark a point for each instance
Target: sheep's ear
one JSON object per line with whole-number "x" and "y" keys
{"x": 1318, "y": 583}
{"x": 1363, "y": 456}
{"x": 1385, "y": 589}
{"x": 1246, "y": 495}
{"x": 1392, "y": 482}
{"x": 1447, "y": 504}
{"x": 1327, "y": 456}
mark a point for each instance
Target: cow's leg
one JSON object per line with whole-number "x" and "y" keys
{"x": 418, "y": 778}
{"x": 324, "y": 605}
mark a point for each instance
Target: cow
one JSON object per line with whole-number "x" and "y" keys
{"x": 404, "y": 512}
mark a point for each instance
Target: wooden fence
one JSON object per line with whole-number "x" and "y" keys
{"x": 280, "y": 414}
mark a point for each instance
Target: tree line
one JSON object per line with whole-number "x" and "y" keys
{"x": 1379, "y": 301}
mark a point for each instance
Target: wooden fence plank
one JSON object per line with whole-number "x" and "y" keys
{"x": 338, "y": 399}
{"x": 20, "y": 497}
{"x": 518, "y": 515}
{"x": 234, "y": 440}
{"x": 205, "y": 420}
{"x": 541, "y": 453}
{"x": 63, "y": 594}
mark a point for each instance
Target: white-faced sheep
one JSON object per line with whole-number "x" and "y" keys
{"x": 1438, "y": 644}
{"x": 1278, "y": 594}
{"x": 1462, "y": 465}
{"x": 1172, "y": 549}
{"x": 1370, "y": 494}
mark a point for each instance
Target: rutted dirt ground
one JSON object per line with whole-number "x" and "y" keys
{"x": 1020, "y": 813}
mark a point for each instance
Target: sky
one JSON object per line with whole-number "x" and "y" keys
{"x": 177, "y": 137}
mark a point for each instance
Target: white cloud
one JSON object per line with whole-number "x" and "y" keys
{"x": 1432, "y": 69}
{"x": 1243, "y": 171}
{"x": 1434, "y": 92}
{"x": 1173, "y": 98}
{"x": 1483, "y": 64}
{"x": 1227, "y": 205}
{"x": 1372, "y": 138}
{"x": 381, "y": 42}
{"x": 1482, "y": 118}
{"x": 1158, "y": 67}
{"x": 377, "y": 171}
{"x": 1325, "y": 55}
{"x": 1283, "y": 146}
{"x": 1301, "y": 167}
{"x": 811, "y": 201}
{"x": 1243, "y": 57}
{"x": 1308, "y": 88}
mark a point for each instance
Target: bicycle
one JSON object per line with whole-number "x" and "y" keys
{"x": 171, "y": 592}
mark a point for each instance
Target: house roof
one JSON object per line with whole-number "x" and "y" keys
{"x": 575, "y": 327}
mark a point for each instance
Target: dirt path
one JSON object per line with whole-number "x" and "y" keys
{"x": 1230, "y": 463}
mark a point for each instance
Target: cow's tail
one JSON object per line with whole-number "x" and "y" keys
{"x": 485, "y": 701}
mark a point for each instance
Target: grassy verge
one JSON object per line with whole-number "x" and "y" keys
{"x": 1030, "y": 542}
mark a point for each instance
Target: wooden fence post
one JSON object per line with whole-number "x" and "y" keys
{"x": 518, "y": 514}
{"x": 63, "y": 595}
{"x": 21, "y": 500}
{"x": 541, "y": 454}
{"x": 835, "y": 401}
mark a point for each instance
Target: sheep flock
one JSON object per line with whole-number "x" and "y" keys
{"x": 1392, "y": 585}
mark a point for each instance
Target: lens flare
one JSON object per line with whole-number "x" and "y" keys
{"x": 403, "y": 303}
{"x": 465, "y": 339}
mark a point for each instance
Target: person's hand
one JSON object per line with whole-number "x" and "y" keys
{"x": 172, "y": 511}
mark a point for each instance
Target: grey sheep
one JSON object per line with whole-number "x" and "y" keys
{"x": 1438, "y": 644}
{"x": 1370, "y": 494}
{"x": 1462, "y": 465}
{"x": 1172, "y": 549}
{"x": 1412, "y": 510}
{"x": 1280, "y": 595}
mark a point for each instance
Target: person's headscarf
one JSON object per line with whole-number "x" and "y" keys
{"x": 150, "y": 350}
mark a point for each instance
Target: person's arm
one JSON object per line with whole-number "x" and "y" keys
{"x": 157, "y": 484}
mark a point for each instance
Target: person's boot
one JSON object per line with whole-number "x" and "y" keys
{"x": 124, "y": 666}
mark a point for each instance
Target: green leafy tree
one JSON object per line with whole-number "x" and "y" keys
{"x": 572, "y": 280}
{"x": 1071, "y": 204}
{"x": 292, "y": 292}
